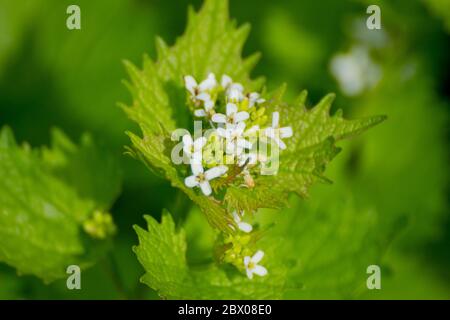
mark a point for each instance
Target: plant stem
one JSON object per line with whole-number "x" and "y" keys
{"x": 111, "y": 267}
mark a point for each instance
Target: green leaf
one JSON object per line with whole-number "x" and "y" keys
{"x": 41, "y": 215}
{"x": 211, "y": 43}
{"x": 88, "y": 168}
{"x": 162, "y": 253}
{"x": 328, "y": 242}
{"x": 308, "y": 152}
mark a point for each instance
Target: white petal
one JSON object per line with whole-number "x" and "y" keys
{"x": 231, "y": 109}
{"x": 241, "y": 116}
{"x": 286, "y": 132}
{"x": 200, "y": 113}
{"x": 209, "y": 105}
{"x": 190, "y": 83}
{"x": 206, "y": 188}
{"x": 236, "y": 217}
{"x": 275, "y": 119}
{"x": 204, "y": 97}
{"x": 254, "y": 95}
{"x": 252, "y": 130}
{"x": 199, "y": 143}
{"x": 240, "y": 127}
{"x": 226, "y": 81}
{"x": 219, "y": 118}
{"x": 280, "y": 143}
{"x": 191, "y": 181}
{"x": 270, "y": 132}
{"x": 242, "y": 143}
{"x": 260, "y": 270}
{"x": 222, "y": 132}
{"x": 258, "y": 256}
{"x": 235, "y": 95}
{"x": 209, "y": 83}
{"x": 247, "y": 260}
{"x": 196, "y": 169}
{"x": 187, "y": 140}
{"x": 244, "y": 226}
{"x": 215, "y": 172}
{"x": 196, "y": 158}
{"x": 237, "y": 86}
{"x": 249, "y": 274}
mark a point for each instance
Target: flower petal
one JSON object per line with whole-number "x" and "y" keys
{"x": 242, "y": 143}
{"x": 187, "y": 140}
{"x": 196, "y": 168}
{"x": 225, "y": 81}
{"x": 196, "y": 158}
{"x": 252, "y": 131}
{"x": 215, "y": 172}
{"x": 199, "y": 143}
{"x": 280, "y": 143}
{"x": 236, "y": 217}
{"x": 250, "y": 274}
{"x": 258, "y": 256}
{"x": 206, "y": 188}
{"x": 237, "y": 86}
{"x": 239, "y": 129}
{"x": 270, "y": 132}
{"x": 247, "y": 260}
{"x": 286, "y": 132}
{"x": 219, "y": 118}
{"x": 275, "y": 119}
{"x": 235, "y": 95}
{"x": 190, "y": 84}
{"x": 241, "y": 116}
{"x": 222, "y": 132}
{"x": 209, "y": 83}
{"x": 204, "y": 97}
{"x": 260, "y": 270}
{"x": 231, "y": 109}
{"x": 246, "y": 227}
{"x": 191, "y": 181}
{"x": 209, "y": 105}
{"x": 200, "y": 113}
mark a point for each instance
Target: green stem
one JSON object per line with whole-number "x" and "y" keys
{"x": 111, "y": 267}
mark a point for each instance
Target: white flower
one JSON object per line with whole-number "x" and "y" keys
{"x": 235, "y": 93}
{"x": 193, "y": 149}
{"x": 201, "y": 179}
{"x": 233, "y": 90}
{"x": 208, "y": 109}
{"x": 251, "y": 158}
{"x": 232, "y": 117}
{"x": 200, "y": 92}
{"x": 276, "y": 133}
{"x": 243, "y": 226}
{"x": 252, "y": 267}
{"x": 355, "y": 71}
{"x": 226, "y": 81}
{"x": 254, "y": 98}
{"x": 235, "y": 142}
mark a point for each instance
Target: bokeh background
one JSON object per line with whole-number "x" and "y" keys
{"x": 51, "y": 76}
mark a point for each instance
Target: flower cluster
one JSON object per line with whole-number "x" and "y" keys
{"x": 228, "y": 152}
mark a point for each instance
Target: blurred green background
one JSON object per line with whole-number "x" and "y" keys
{"x": 51, "y": 76}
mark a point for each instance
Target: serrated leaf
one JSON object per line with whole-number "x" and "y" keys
{"x": 211, "y": 43}
{"x": 79, "y": 167}
{"x": 162, "y": 253}
{"x": 308, "y": 152}
{"x": 328, "y": 243}
{"x": 41, "y": 215}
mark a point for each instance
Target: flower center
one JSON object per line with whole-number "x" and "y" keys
{"x": 201, "y": 177}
